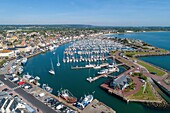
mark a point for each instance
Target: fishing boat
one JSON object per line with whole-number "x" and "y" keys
{"x": 67, "y": 96}
{"x": 86, "y": 100}
{"x": 47, "y": 88}
{"x": 52, "y": 70}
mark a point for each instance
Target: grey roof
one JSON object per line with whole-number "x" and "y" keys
{"x": 120, "y": 80}
{"x": 13, "y": 105}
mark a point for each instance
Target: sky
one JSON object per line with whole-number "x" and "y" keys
{"x": 90, "y": 12}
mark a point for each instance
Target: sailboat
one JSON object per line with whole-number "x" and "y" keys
{"x": 58, "y": 64}
{"x": 52, "y": 70}
{"x": 97, "y": 66}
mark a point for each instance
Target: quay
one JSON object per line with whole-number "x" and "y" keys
{"x": 97, "y": 107}
{"x": 106, "y": 87}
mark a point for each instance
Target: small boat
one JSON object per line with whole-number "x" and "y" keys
{"x": 27, "y": 76}
{"x": 89, "y": 66}
{"x": 52, "y": 70}
{"x": 97, "y": 67}
{"x": 58, "y": 64}
{"x": 105, "y": 71}
{"x": 47, "y": 88}
{"x": 89, "y": 79}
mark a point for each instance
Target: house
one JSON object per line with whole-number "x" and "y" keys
{"x": 7, "y": 53}
{"x": 10, "y": 104}
{"x": 121, "y": 82}
{"x": 12, "y": 39}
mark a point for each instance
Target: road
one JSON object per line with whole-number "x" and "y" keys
{"x": 35, "y": 102}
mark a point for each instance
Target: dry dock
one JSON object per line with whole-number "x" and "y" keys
{"x": 97, "y": 107}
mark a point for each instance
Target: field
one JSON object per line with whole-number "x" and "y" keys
{"x": 151, "y": 69}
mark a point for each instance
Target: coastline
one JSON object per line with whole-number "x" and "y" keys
{"x": 107, "y": 34}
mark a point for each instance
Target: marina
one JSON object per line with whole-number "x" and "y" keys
{"x": 93, "y": 67}
{"x": 69, "y": 65}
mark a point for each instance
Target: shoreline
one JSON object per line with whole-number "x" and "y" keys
{"x": 132, "y": 32}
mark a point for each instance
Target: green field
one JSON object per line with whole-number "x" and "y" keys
{"x": 147, "y": 95}
{"x": 151, "y": 68}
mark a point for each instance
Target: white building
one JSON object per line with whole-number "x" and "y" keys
{"x": 7, "y": 53}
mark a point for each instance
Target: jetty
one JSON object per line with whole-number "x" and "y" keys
{"x": 87, "y": 67}
{"x": 102, "y": 75}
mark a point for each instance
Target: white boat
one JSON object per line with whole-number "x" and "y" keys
{"x": 51, "y": 48}
{"x": 58, "y": 63}
{"x": 52, "y": 70}
{"x": 24, "y": 61}
{"x": 90, "y": 65}
{"x": 27, "y": 76}
{"x": 97, "y": 67}
{"x": 87, "y": 100}
{"x": 90, "y": 79}
{"x": 47, "y": 88}
{"x": 105, "y": 71}
{"x": 37, "y": 78}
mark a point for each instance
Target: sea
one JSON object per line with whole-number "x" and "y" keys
{"x": 75, "y": 80}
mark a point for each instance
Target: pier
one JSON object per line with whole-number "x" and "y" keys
{"x": 103, "y": 75}
{"x": 86, "y": 67}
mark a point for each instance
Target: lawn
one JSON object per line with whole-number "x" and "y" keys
{"x": 151, "y": 68}
{"x": 147, "y": 95}
{"x": 131, "y": 54}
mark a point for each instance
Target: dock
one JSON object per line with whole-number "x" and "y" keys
{"x": 84, "y": 67}
{"x": 100, "y": 76}
{"x": 97, "y": 107}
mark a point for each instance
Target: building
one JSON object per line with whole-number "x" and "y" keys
{"x": 11, "y": 104}
{"x": 121, "y": 82}
{"x": 11, "y": 39}
{"x": 7, "y": 53}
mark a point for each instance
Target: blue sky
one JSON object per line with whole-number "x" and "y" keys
{"x": 93, "y": 12}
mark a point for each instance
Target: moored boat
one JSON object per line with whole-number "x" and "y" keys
{"x": 24, "y": 61}
{"x": 86, "y": 100}
{"x": 47, "y": 88}
{"x": 67, "y": 96}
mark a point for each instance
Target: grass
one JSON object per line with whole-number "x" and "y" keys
{"x": 147, "y": 95}
{"x": 2, "y": 62}
{"x": 152, "y": 69}
{"x": 131, "y": 54}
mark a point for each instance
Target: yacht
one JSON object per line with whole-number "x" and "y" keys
{"x": 90, "y": 65}
{"x": 104, "y": 71}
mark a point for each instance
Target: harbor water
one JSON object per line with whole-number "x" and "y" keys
{"x": 75, "y": 80}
